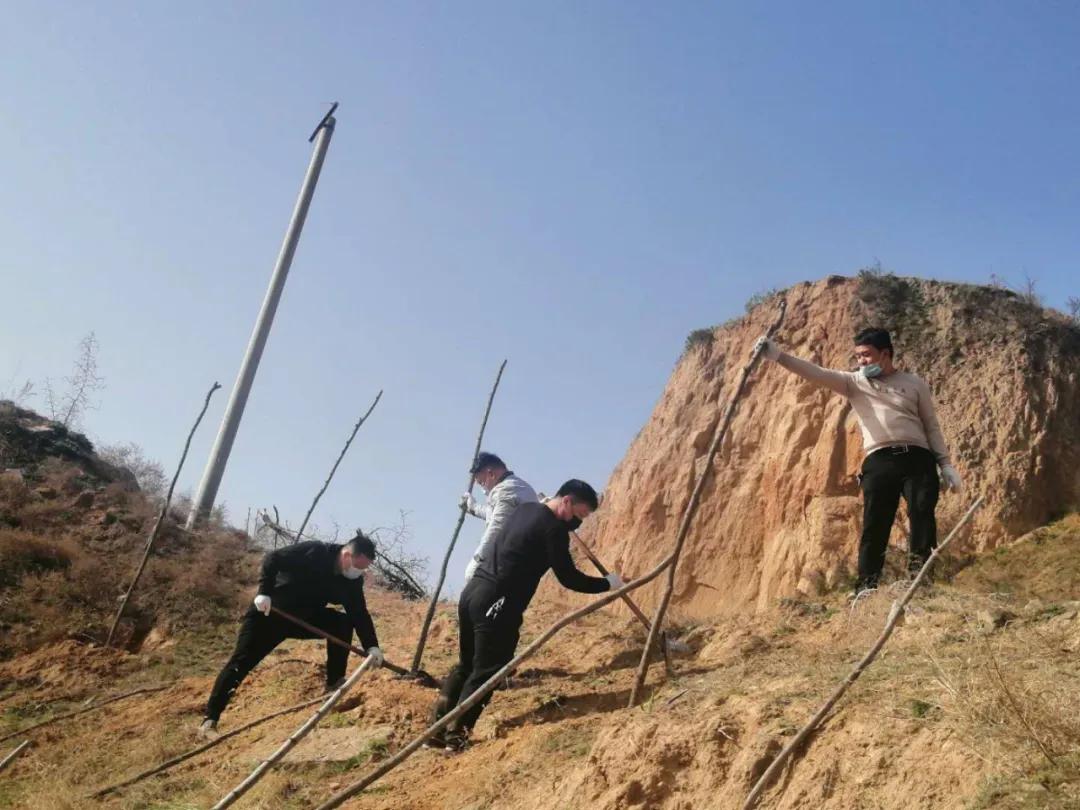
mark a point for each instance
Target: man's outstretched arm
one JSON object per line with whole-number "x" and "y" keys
{"x": 837, "y": 381}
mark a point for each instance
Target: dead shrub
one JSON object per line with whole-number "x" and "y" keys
{"x": 22, "y": 552}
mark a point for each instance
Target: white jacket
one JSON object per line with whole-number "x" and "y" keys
{"x": 503, "y": 499}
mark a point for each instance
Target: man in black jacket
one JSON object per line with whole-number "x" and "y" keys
{"x": 493, "y": 603}
{"x": 302, "y": 579}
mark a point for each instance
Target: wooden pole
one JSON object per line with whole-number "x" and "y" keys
{"x": 491, "y": 684}
{"x": 895, "y": 613}
{"x": 160, "y": 519}
{"x": 333, "y": 469}
{"x": 339, "y": 642}
{"x": 419, "y": 656}
{"x": 641, "y": 617}
{"x": 194, "y": 752}
{"x": 691, "y": 507}
{"x": 11, "y": 757}
{"x": 84, "y": 710}
{"x": 293, "y": 739}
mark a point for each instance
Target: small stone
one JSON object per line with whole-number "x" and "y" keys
{"x": 994, "y": 618}
{"x": 84, "y": 501}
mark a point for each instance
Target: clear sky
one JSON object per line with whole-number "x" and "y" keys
{"x": 572, "y": 186}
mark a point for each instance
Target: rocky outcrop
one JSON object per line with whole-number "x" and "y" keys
{"x": 27, "y": 439}
{"x": 781, "y": 513}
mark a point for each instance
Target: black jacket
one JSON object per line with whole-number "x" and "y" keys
{"x": 302, "y": 578}
{"x": 534, "y": 541}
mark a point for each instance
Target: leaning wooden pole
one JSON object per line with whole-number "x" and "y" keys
{"x": 160, "y": 519}
{"x": 85, "y": 710}
{"x": 333, "y": 469}
{"x": 491, "y": 684}
{"x": 194, "y": 752}
{"x": 293, "y": 739}
{"x": 691, "y": 507}
{"x": 11, "y": 757}
{"x": 641, "y": 617}
{"x": 895, "y": 613}
{"x": 397, "y": 670}
{"x": 419, "y": 656}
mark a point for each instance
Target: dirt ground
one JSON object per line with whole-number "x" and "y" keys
{"x": 972, "y": 705}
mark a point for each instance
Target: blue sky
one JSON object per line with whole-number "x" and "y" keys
{"x": 571, "y": 186}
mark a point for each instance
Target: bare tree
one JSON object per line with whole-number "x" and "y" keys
{"x": 1074, "y": 309}
{"x": 149, "y": 474}
{"x": 68, "y": 407}
{"x": 399, "y": 569}
{"x": 18, "y": 394}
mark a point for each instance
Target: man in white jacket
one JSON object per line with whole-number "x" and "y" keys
{"x": 505, "y": 492}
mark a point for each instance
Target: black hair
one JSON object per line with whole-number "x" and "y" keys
{"x": 873, "y": 336}
{"x": 362, "y": 544}
{"x": 579, "y": 492}
{"x": 485, "y": 461}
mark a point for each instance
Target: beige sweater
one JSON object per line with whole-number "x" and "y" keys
{"x": 893, "y": 409}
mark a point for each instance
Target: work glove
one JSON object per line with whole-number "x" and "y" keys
{"x": 950, "y": 479}
{"x": 467, "y": 502}
{"x": 376, "y": 656}
{"x": 614, "y": 581}
{"x": 262, "y": 604}
{"x": 768, "y": 348}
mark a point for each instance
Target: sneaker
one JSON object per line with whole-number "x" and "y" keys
{"x": 333, "y": 687}
{"x": 457, "y": 741}
{"x": 208, "y": 729}
{"x": 436, "y": 741}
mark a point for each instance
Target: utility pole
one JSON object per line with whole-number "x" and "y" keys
{"x": 234, "y": 411}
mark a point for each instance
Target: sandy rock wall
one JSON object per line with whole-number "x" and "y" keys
{"x": 782, "y": 512}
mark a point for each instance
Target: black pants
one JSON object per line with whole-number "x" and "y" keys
{"x": 886, "y": 475}
{"x": 260, "y": 634}
{"x": 488, "y": 632}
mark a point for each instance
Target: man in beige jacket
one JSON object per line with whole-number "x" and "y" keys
{"x": 903, "y": 444}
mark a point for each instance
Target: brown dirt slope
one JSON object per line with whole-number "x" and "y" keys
{"x": 972, "y": 705}
{"x": 780, "y": 517}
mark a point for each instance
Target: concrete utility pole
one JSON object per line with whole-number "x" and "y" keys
{"x": 219, "y": 456}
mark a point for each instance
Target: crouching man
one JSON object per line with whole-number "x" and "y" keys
{"x": 302, "y": 579}
{"x": 493, "y": 603}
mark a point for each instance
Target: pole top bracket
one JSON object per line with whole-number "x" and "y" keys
{"x": 325, "y": 120}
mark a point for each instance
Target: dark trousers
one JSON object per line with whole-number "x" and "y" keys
{"x": 487, "y": 638}
{"x": 886, "y": 475}
{"x": 260, "y": 634}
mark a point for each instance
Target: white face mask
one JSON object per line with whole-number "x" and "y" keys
{"x": 351, "y": 573}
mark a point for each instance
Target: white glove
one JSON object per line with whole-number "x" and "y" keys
{"x": 950, "y": 479}
{"x": 376, "y": 656}
{"x": 768, "y": 348}
{"x": 262, "y": 604}
{"x": 467, "y": 503}
{"x": 614, "y": 581}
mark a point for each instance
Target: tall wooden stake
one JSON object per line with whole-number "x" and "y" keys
{"x": 419, "y": 656}
{"x": 895, "y": 613}
{"x": 160, "y": 518}
{"x": 691, "y": 509}
{"x": 333, "y": 469}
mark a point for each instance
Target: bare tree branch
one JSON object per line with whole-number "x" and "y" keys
{"x": 341, "y": 455}
{"x": 418, "y": 657}
{"x": 160, "y": 519}
{"x": 691, "y": 508}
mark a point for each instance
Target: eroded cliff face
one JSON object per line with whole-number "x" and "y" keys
{"x": 781, "y": 512}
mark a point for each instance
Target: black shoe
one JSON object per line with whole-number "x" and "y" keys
{"x": 333, "y": 687}
{"x": 457, "y": 740}
{"x": 436, "y": 741}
